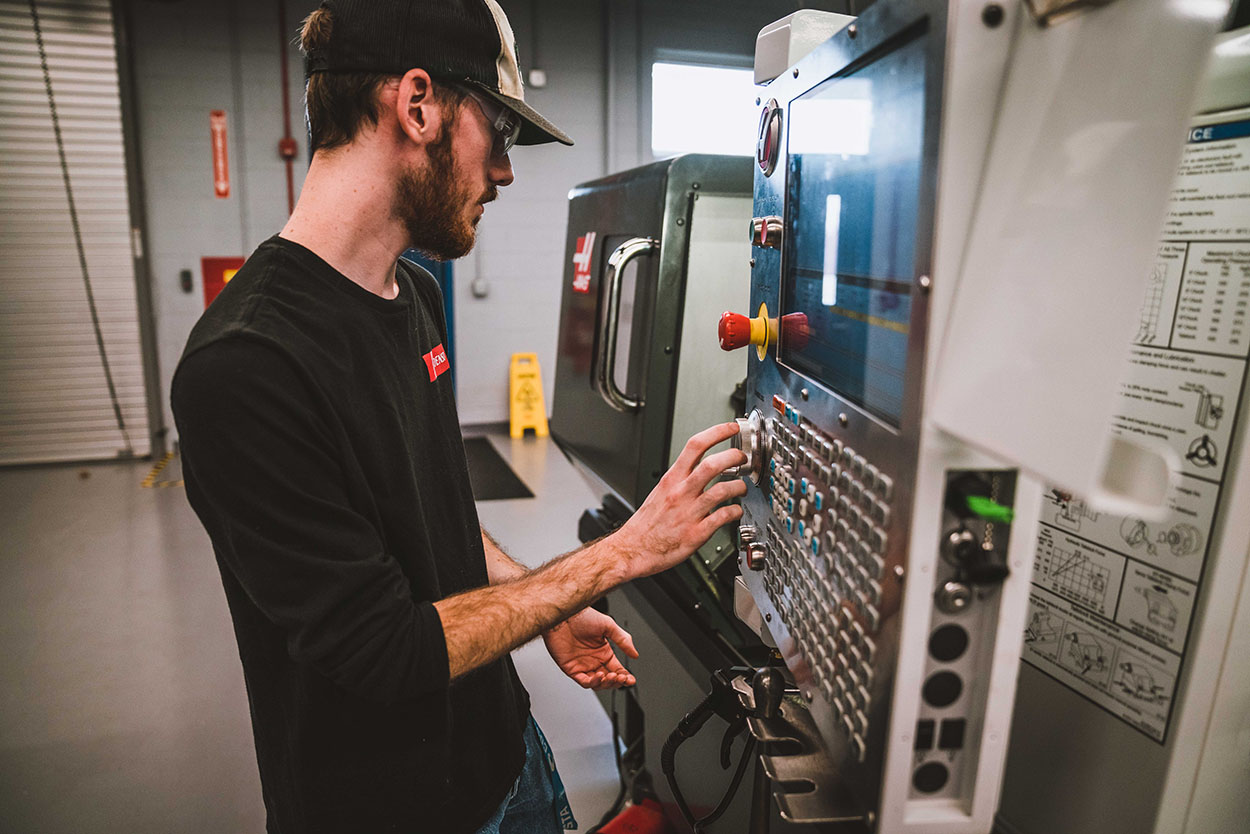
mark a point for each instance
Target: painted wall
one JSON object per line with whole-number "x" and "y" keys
{"x": 194, "y": 56}
{"x": 191, "y": 57}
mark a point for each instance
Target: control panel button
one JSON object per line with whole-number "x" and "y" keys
{"x": 736, "y": 331}
{"x": 885, "y": 486}
{"x": 767, "y": 231}
{"x": 930, "y": 777}
{"x": 952, "y": 735}
{"x": 925, "y": 730}
{"x": 948, "y": 642}
{"x": 942, "y": 689}
{"x": 768, "y": 141}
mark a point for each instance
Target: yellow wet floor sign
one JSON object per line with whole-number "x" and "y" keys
{"x": 525, "y": 395}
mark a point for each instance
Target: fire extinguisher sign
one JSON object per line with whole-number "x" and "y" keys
{"x": 221, "y": 160}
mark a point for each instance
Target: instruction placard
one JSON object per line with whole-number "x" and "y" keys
{"x": 1113, "y": 596}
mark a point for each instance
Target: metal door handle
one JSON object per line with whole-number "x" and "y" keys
{"x": 609, "y": 325}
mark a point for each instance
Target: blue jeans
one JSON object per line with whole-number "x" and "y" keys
{"x": 530, "y": 807}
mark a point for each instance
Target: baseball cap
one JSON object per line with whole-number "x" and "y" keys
{"x": 463, "y": 41}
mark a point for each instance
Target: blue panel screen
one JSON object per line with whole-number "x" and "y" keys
{"x": 853, "y": 191}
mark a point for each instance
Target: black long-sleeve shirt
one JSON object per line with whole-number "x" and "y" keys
{"x": 322, "y": 452}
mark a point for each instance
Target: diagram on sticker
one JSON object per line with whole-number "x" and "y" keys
{"x": 1143, "y": 683}
{"x": 1160, "y": 610}
{"x": 1180, "y": 539}
{"x": 1073, "y": 575}
{"x": 1148, "y": 329}
{"x": 1043, "y": 628}
{"x": 1210, "y": 406}
{"x": 1203, "y": 453}
{"x": 1069, "y": 511}
{"x": 1086, "y": 653}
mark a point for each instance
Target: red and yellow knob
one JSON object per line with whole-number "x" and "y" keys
{"x": 736, "y": 330}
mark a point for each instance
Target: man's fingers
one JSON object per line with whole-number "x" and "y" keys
{"x": 616, "y": 681}
{"x": 713, "y": 466}
{"x": 724, "y": 491}
{"x": 699, "y": 444}
{"x": 719, "y": 519}
{"x": 622, "y": 638}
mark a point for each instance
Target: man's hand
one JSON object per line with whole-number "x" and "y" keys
{"x": 679, "y": 515}
{"x": 682, "y": 513}
{"x": 582, "y": 647}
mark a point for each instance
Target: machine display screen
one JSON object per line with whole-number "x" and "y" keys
{"x": 852, "y": 206}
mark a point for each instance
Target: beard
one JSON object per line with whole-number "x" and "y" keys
{"x": 434, "y": 206}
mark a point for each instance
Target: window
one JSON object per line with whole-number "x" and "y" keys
{"x": 704, "y": 109}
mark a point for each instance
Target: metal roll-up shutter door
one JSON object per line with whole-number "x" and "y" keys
{"x": 55, "y": 402}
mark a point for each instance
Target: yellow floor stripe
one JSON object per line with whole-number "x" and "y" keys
{"x": 150, "y": 481}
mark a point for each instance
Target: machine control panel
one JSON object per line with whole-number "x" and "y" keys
{"x": 875, "y": 553}
{"x": 826, "y": 544}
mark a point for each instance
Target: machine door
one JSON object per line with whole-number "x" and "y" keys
{"x": 606, "y": 328}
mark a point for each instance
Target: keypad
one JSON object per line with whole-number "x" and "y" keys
{"x": 827, "y": 553}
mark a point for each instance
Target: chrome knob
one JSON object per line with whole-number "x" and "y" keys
{"x": 953, "y": 597}
{"x": 766, "y": 231}
{"x": 750, "y": 439}
{"x": 757, "y": 555}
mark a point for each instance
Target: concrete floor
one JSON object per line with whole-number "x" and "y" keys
{"x": 122, "y": 707}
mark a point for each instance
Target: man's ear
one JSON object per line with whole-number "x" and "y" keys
{"x": 416, "y": 110}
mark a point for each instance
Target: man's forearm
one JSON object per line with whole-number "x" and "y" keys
{"x": 484, "y": 624}
{"x": 500, "y": 567}
{"x": 679, "y": 515}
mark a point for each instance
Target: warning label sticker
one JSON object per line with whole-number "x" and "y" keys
{"x": 1113, "y": 596}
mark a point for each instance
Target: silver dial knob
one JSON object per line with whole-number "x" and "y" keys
{"x": 757, "y": 555}
{"x": 750, "y": 439}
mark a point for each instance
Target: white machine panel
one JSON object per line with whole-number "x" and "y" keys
{"x": 951, "y": 207}
{"x": 1135, "y": 648}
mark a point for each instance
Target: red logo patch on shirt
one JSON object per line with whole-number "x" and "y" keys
{"x": 581, "y": 262}
{"x": 436, "y": 362}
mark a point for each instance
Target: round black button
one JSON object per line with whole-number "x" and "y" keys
{"x": 942, "y": 689}
{"x": 931, "y": 777}
{"x": 948, "y": 643}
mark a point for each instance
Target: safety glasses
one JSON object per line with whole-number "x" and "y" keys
{"x": 506, "y": 123}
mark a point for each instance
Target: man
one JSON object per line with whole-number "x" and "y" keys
{"x": 322, "y": 452}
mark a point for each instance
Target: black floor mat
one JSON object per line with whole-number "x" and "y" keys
{"x": 490, "y": 474}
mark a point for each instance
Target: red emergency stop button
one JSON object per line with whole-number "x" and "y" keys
{"x": 736, "y": 330}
